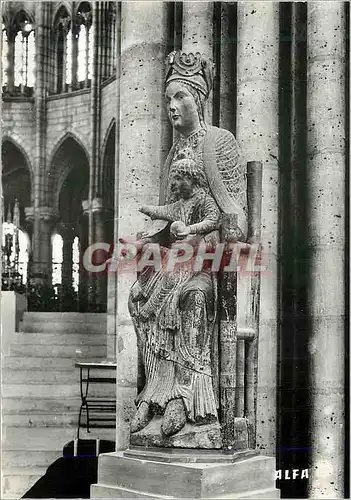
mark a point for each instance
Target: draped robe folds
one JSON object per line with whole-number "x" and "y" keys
{"x": 178, "y": 342}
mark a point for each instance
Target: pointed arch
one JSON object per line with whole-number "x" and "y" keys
{"x": 107, "y": 180}
{"x": 20, "y": 14}
{"x": 84, "y": 5}
{"x": 17, "y": 178}
{"x": 63, "y": 7}
{"x": 68, "y": 135}
{"x": 17, "y": 143}
{"x": 107, "y": 133}
{"x": 6, "y": 18}
{"x": 68, "y": 155}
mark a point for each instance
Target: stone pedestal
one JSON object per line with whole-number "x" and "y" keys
{"x": 185, "y": 474}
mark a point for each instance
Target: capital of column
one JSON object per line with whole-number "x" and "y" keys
{"x": 96, "y": 205}
{"x": 67, "y": 230}
{"x": 45, "y": 214}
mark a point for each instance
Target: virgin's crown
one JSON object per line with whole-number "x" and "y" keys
{"x": 191, "y": 68}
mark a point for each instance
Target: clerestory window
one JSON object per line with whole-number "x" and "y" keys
{"x": 63, "y": 52}
{"x": 4, "y": 61}
{"x": 18, "y": 55}
{"x": 84, "y": 38}
{"x": 24, "y": 62}
{"x": 74, "y": 47}
{"x": 112, "y": 38}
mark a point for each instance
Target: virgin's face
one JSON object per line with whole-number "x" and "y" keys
{"x": 181, "y": 108}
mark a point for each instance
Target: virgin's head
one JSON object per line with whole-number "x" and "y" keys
{"x": 185, "y": 107}
{"x": 188, "y": 85}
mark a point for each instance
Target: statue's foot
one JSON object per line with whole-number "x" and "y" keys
{"x": 174, "y": 417}
{"x": 141, "y": 418}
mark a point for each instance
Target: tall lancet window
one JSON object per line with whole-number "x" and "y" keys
{"x": 75, "y": 264}
{"x": 85, "y": 43}
{"x": 69, "y": 37}
{"x": 4, "y": 60}
{"x": 82, "y": 51}
{"x": 112, "y": 37}
{"x": 90, "y": 52}
{"x": 57, "y": 259}
{"x": 24, "y": 63}
{"x": 63, "y": 50}
{"x": 31, "y": 60}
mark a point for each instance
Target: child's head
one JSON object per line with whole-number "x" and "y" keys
{"x": 185, "y": 174}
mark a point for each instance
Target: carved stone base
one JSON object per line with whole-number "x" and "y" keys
{"x": 124, "y": 477}
{"x": 191, "y": 436}
{"x": 184, "y": 455}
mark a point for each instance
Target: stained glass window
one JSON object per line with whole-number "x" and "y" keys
{"x": 4, "y": 61}
{"x": 75, "y": 263}
{"x": 57, "y": 258}
{"x": 82, "y": 50}
{"x": 69, "y": 57}
{"x": 24, "y": 63}
{"x": 85, "y": 42}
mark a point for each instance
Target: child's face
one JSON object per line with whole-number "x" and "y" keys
{"x": 182, "y": 186}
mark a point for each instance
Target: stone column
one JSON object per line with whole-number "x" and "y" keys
{"x": 41, "y": 266}
{"x": 142, "y": 150}
{"x": 257, "y": 132}
{"x": 198, "y": 35}
{"x": 74, "y": 48}
{"x": 83, "y": 235}
{"x": 10, "y": 60}
{"x": 100, "y": 214}
{"x": 41, "y": 241}
{"x": 68, "y": 234}
{"x": 95, "y": 119}
{"x": 227, "y": 70}
{"x": 112, "y": 282}
{"x": 326, "y": 121}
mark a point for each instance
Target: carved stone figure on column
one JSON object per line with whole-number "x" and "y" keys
{"x": 175, "y": 316}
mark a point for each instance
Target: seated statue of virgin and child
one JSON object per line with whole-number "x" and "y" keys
{"x": 175, "y": 313}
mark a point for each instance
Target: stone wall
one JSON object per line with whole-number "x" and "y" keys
{"x": 68, "y": 113}
{"x": 18, "y": 124}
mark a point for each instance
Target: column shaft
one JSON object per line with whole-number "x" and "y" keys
{"x": 227, "y": 81}
{"x": 41, "y": 246}
{"x": 257, "y": 131}
{"x": 112, "y": 283}
{"x": 100, "y": 256}
{"x": 326, "y": 225}
{"x": 144, "y": 133}
{"x": 198, "y": 35}
{"x": 95, "y": 121}
{"x": 67, "y": 255}
{"x": 10, "y": 61}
